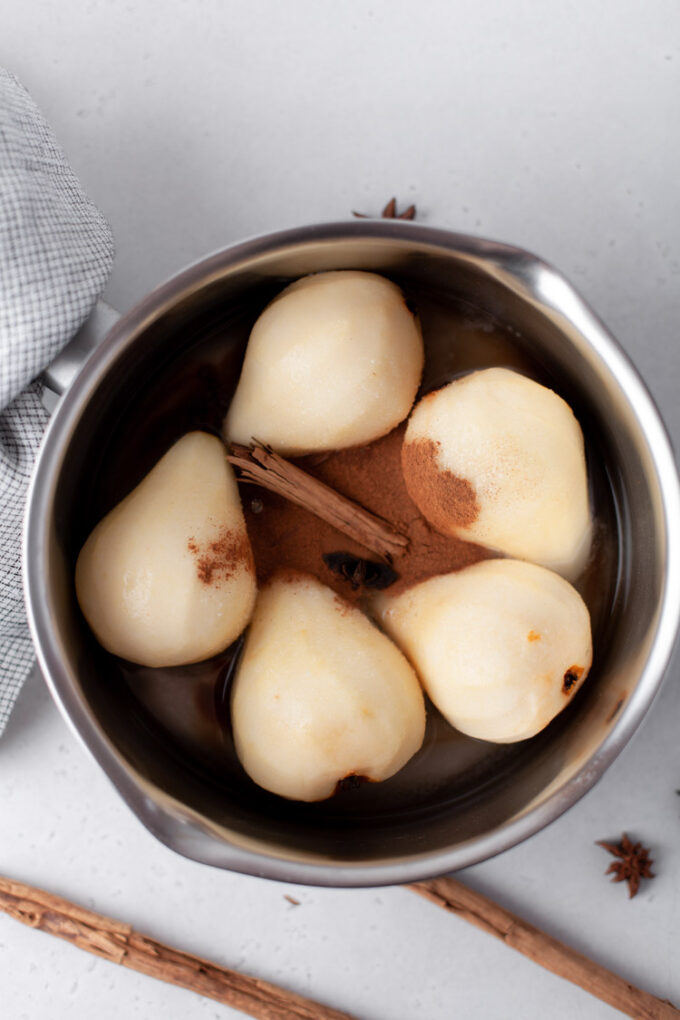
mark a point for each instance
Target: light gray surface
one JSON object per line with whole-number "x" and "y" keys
{"x": 193, "y": 125}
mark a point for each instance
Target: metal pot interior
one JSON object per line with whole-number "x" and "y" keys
{"x": 170, "y": 365}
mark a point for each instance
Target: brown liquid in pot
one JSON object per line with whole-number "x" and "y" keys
{"x": 188, "y": 706}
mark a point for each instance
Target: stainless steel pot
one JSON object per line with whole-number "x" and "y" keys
{"x": 224, "y": 824}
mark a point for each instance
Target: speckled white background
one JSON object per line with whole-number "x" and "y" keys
{"x": 193, "y": 124}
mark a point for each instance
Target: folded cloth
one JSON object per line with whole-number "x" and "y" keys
{"x": 56, "y": 253}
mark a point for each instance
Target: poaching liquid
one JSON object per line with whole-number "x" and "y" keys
{"x": 188, "y": 706}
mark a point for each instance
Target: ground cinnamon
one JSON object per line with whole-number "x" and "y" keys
{"x": 286, "y": 536}
{"x": 220, "y": 559}
{"x": 260, "y": 465}
{"x": 446, "y": 499}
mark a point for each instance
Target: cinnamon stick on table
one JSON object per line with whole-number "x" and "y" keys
{"x": 119, "y": 943}
{"x": 540, "y": 947}
{"x": 260, "y": 465}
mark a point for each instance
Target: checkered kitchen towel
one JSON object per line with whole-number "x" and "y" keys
{"x": 55, "y": 256}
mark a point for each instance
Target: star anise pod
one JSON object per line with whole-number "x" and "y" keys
{"x": 360, "y": 573}
{"x": 390, "y": 213}
{"x": 633, "y": 863}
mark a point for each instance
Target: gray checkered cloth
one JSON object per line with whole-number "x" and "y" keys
{"x": 56, "y": 253}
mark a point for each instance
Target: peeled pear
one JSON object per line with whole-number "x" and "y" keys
{"x": 320, "y": 694}
{"x": 498, "y": 459}
{"x": 334, "y": 361}
{"x": 500, "y": 647}
{"x": 167, "y": 577}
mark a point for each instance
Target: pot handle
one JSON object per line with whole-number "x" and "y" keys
{"x": 59, "y": 375}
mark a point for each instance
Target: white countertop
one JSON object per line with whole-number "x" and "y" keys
{"x": 195, "y": 124}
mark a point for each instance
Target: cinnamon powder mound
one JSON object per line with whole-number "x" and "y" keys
{"x": 449, "y": 501}
{"x": 285, "y": 536}
{"x": 220, "y": 559}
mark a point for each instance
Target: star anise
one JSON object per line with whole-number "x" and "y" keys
{"x": 390, "y": 213}
{"x": 360, "y": 573}
{"x": 633, "y": 864}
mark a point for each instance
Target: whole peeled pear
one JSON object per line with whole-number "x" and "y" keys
{"x": 321, "y": 694}
{"x": 498, "y": 459}
{"x": 500, "y": 647}
{"x": 334, "y": 361}
{"x": 167, "y": 577}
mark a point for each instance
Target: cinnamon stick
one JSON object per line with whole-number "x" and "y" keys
{"x": 540, "y": 947}
{"x": 260, "y": 465}
{"x": 119, "y": 943}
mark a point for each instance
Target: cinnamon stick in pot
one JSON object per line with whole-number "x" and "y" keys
{"x": 260, "y": 465}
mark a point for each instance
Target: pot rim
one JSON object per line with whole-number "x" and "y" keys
{"x": 168, "y": 819}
